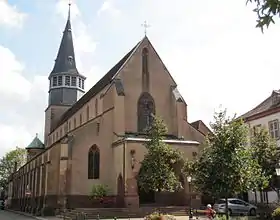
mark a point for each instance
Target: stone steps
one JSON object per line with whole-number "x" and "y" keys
{"x": 125, "y": 212}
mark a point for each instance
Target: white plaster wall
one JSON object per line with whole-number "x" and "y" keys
{"x": 270, "y": 197}
{"x": 264, "y": 122}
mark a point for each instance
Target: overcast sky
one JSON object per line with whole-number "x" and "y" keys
{"x": 211, "y": 48}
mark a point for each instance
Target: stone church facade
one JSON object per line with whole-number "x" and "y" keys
{"x": 97, "y": 137}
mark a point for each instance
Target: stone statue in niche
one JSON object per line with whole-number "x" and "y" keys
{"x": 146, "y": 111}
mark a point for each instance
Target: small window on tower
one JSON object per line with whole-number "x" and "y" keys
{"x": 54, "y": 82}
{"x": 59, "y": 82}
{"x": 75, "y": 123}
{"x": 73, "y": 81}
{"x": 60, "y": 132}
{"x": 81, "y": 119}
{"x": 67, "y": 80}
{"x": 83, "y": 84}
{"x": 80, "y": 82}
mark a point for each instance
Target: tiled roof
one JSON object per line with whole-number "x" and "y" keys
{"x": 273, "y": 101}
{"x": 101, "y": 84}
{"x": 36, "y": 144}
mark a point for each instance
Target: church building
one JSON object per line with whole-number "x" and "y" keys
{"x": 97, "y": 137}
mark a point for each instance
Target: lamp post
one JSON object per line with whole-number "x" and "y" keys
{"x": 277, "y": 169}
{"x": 189, "y": 179}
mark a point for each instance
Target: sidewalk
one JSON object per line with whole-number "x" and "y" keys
{"x": 32, "y": 216}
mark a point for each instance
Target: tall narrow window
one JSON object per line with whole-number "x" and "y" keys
{"x": 274, "y": 128}
{"x": 73, "y": 81}
{"x": 67, "y": 80}
{"x": 96, "y": 107}
{"x": 59, "y": 82}
{"x": 81, "y": 118}
{"x": 80, "y": 82}
{"x": 69, "y": 125}
{"x": 54, "y": 83}
{"x": 87, "y": 113}
{"x": 93, "y": 163}
{"x": 145, "y": 70}
{"x": 145, "y": 111}
{"x": 83, "y": 84}
{"x": 75, "y": 123}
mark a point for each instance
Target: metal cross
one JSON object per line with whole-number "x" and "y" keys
{"x": 146, "y": 26}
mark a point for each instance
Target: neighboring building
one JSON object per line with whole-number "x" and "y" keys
{"x": 98, "y": 137}
{"x": 267, "y": 115}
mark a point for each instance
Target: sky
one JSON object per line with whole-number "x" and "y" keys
{"x": 211, "y": 48}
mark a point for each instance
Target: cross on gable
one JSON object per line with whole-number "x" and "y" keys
{"x": 146, "y": 26}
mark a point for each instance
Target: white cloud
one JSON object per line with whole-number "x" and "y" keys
{"x": 20, "y": 99}
{"x": 10, "y": 16}
{"x": 109, "y": 8}
{"x": 12, "y": 82}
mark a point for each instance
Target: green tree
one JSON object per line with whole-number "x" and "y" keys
{"x": 266, "y": 11}
{"x": 226, "y": 166}
{"x": 7, "y": 164}
{"x": 162, "y": 164}
{"x": 265, "y": 152}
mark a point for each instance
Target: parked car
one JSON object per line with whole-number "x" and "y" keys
{"x": 235, "y": 207}
{"x": 2, "y": 204}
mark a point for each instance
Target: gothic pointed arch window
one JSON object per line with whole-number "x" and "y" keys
{"x": 145, "y": 111}
{"x": 94, "y": 163}
{"x": 145, "y": 70}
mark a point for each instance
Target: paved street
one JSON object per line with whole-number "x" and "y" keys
{"x": 4, "y": 215}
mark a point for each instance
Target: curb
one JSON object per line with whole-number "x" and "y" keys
{"x": 25, "y": 214}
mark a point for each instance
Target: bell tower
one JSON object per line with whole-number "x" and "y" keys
{"x": 66, "y": 84}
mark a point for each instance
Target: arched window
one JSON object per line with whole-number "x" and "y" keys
{"x": 93, "y": 163}
{"x": 145, "y": 111}
{"x": 145, "y": 70}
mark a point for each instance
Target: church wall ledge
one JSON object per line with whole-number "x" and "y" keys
{"x": 168, "y": 141}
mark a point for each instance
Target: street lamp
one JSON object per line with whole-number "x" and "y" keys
{"x": 189, "y": 179}
{"x": 277, "y": 169}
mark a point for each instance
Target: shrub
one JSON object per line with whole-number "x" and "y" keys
{"x": 98, "y": 191}
{"x": 159, "y": 216}
{"x": 276, "y": 212}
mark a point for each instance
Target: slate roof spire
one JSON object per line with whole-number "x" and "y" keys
{"x": 65, "y": 61}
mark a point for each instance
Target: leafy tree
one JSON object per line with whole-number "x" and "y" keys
{"x": 7, "y": 164}
{"x": 266, "y": 11}
{"x": 265, "y": 152}
{"x": 162, "y": 164}
{"x": 226, "y": 166}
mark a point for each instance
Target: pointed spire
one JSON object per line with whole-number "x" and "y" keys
{"x": 68, "y": 19}
{"x": 65, "y": 61}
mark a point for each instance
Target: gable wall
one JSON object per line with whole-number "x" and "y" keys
{"x": 160, "y": 87}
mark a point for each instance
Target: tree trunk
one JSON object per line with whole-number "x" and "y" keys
{"x": 227, "y": 213}
{"x": 262, "y": 205}
{"x": 256, "y": 197}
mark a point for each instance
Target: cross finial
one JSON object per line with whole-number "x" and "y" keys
{"x": 146, "y": 26}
